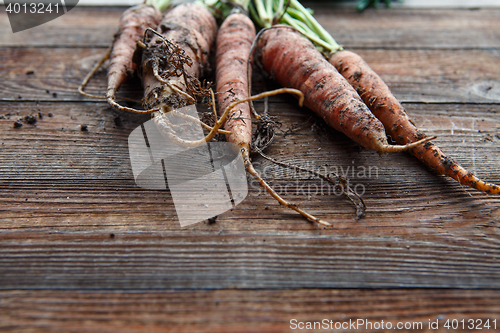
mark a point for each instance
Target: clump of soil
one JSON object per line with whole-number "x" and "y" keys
{"x": 31, "y": 119}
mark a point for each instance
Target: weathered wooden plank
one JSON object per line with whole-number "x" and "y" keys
{"x": 420, "y": 230}
{"x": 245, "y": 311}
{"x": 48, "y": 74}
{"x": 81, "y": 27}
{"x": 469, "y": 76}
{"x": 56, "y": 149}
{"x": 56, "y": 144}
{"x": 394, "y": 28}
{"x": 413, "y": 29}
{"x": 204, "y": 260}
{"x": 458, "y": 76}
{"x": 60, "y": 150}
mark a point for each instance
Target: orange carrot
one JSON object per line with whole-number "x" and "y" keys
{"x": 172, "y": 61}
{"x": 133, "y": 23}
{"x": 398, "y": 125}
{"x": 181, "y": 53}
{"x": 295, "y": 62}
{"x": 234, "y": 42}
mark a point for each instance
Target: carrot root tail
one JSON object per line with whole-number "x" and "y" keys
{"x": 472, "y": 181}
{"x": 115, "y": 105}
{"x": 332, "y": 178}
{"x": 249, "y": 167}
{"x": 91, "y": 74}
{"x": 400, "y": 148}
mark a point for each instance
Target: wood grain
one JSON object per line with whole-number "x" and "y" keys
{"x": 394, "y": 28}
{"x": 428, "y": 76}
{"x": 78, "y": 189}
{"x": 411, "y": 28}
{"x": 82, "y": 248}
{"x": 257, "y": 260}
{"x": 240, "y": 311}
{"x": 81, "y": 27}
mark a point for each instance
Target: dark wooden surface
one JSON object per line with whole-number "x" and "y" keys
{"x": 82, "y": 248}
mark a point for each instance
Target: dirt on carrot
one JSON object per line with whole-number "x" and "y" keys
{"x": 294, "y": 62}
{"x": 384, "y": 105}
{"x": 173, "y": 62}
{"x": 173, "y": 58}
{"x": 234, "y": 41}
{"x": 133, "y": 23}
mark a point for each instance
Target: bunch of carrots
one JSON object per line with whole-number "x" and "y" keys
{"x": 170, "y": 52}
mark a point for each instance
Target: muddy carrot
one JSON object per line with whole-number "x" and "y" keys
{"x": 379, "y": 98}
{"x": 133, "y": 23}
{"x": 295, "y": 62}
{"x": 234, "y": 42}
{"x": 399, "y": 127}
{"x": 173, "y": 59}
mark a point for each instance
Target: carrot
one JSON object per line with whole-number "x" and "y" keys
{"x": 172, "y": 61}
{"x": 294, "y": 61}
{"x": 398, "y": 125}
{"x": 378, "y": 98}
{"x": 234, "y": 42}
{"x": 133, "y": 23}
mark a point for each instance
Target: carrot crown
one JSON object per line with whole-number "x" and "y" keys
{"x": 161, "y": 5}
{"x": 266, "y": 13}
{"x": 222, "y": 8}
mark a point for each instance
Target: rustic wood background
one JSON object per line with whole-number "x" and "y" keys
{"x": 83, "y": 249}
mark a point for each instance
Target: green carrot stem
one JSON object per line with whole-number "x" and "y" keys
{"x": 254, "y": 15}
{"x": 304, "y": 29}
{"x": 263, "y": 14}
{"x": 161, "y": 5}
{"x": 296, "y": 16}
{"x": 318, "y": 28}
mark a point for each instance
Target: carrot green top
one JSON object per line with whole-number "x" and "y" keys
{"x": 161, "y": 5}
{"x": 222, "y": 8}
{"x": 266, "y": 13}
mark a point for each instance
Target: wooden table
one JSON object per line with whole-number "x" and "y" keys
{"x": 83, "y": 249}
